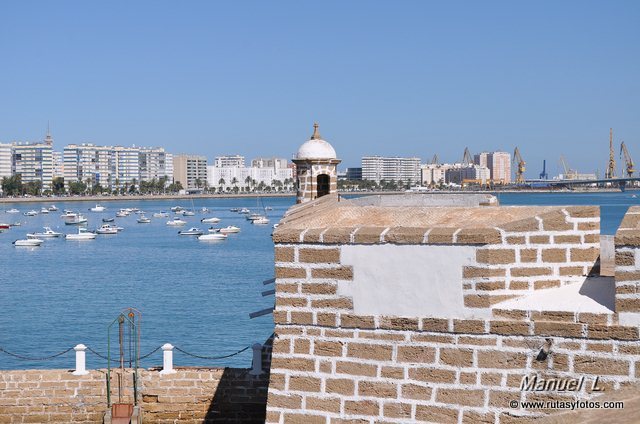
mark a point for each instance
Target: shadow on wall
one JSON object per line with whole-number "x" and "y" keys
{"x": 246, "y": 403}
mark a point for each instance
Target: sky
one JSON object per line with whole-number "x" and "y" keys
{"x": 398, "y": 78}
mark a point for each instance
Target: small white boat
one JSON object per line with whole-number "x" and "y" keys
{"x": 108, "y": 219}
{"x": 106, "y": 229}
{"x": 144, "y": 220}
{"x": 161, "y": 214}
{"x": 253, "y": 216}
{"x": 75, "y": 219}
{"x": 82, "y": 234}
{"x": 176, "y": 208}
{"x": 211, "y": 220}
{"x": 204, "y": 210}
{"x": 191, "y": 232}
{"x": 33, "y": 242}
{"x": 13, "y": 210}
{"x": 212, "y": 237}
{"x": 31, "y": 213}
{"x": 16, "y": 224}
{"x": 139, "y": 212}
{"x": 47, "y": 233}
{"x": 229, "y": 229}
{"x": 268, "y": 208}
{"x": 44, "y": 210}
{"x": 188, "y": 213}
{"x": 176, "y": 221}
{"x": 53, "y": 208}
{"x": 234, "y": 210}
{"x": 97, "y": 208}
{"x": 245, "y": 210}
{"x": 263, "y": 220}
{"x": 68, "y": 214}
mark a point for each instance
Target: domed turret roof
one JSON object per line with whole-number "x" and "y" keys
{"x": 316, "y": 147}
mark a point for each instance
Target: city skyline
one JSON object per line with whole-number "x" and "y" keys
{"x": 381, "y": 79}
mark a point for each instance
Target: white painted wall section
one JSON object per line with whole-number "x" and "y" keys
{"x": 410, "y": 281}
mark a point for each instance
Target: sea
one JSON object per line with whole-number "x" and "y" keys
{"x": 192, "y": 294}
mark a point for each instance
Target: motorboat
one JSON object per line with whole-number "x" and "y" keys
{"x": 133, "y": 209}
{"x": 4, "y": 226}
{"x": 205, "y": 210}
{"x": 234, "y": 210}
{"x": 253, "y": 216}
{"x": 139, "y": 212}
{"x": 108, "y": 219}
{"x": 97, "y": 208}
{"x": 244, "y": 210}
{"x": 47, "y": 233}
{"x": 122, "y": 213}
{"x": 106, "y": 229}
{"x": 33, "y": 242}
{"x": 188, "y": 213}
{"x": 82, "y": 234}
{"x": 268, "y": 208}
{"x": 16, "y": 224}
{"x": 212, "y": 237}
{"x": 211, "y": 220}
{"x": 68, "y": 214}
{"x": 53, "y": 208}
{"x": 176, "y": 221}
{"x": 75, "y": 219}
{"x": 229, "y": 229}
{"x": 13, "y": 210}
{"x": 263, "y": 220}
{"x": 31, "y": 213}
{"x": 144, "y": 220}
{"x": 176, "y": 208}
{"x": 161, "y": 214}
{"x": 191, "y": 232}
{"x": 44, "y": 210}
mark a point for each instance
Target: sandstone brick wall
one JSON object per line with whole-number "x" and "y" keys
{"x": 627, "y": 241}
{"x": 188, "y": 396}
{"x": 331, "y": 365}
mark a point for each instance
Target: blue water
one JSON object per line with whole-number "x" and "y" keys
{"x": 194, "y": 295}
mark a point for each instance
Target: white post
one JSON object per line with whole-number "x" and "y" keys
{"x": 80, "y": 360}
{"x": 256, "y": 369}
{"x": 167, "y": 359}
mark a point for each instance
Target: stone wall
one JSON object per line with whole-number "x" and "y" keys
{"x": 334, "y": 365}
{"x": 188, "y": 396}
{"x": 627, "y": 241}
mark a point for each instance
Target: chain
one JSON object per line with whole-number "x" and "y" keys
{"x": 150, "y": 353}
{"x": 115, "y": 360}
{"x": 28, "y": 358}
{"x": 211, "y": 357}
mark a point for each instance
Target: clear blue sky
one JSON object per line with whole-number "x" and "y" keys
{"x": 407, "y": 78}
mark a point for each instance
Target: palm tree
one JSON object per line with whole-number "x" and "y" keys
{"x": 221, "y": 183}
{"x": 247, "y": 181}
{"x": 234, "y": 181}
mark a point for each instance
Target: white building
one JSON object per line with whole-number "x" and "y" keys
{"x": 33, "y": 162}
{"x": 127, "y": 166}
{"x": 89, "y": 164}
{"x": 275, "y": 163}
{"x": 377, "y": 168}
{"x": 5, "y": 160}
{"x": 247, "y": 178}
{"x": 155, "y": 163}
{"x": 235, "y": 161}
{"x": 58, "y": 164}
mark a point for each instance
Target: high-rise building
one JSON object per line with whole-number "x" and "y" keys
{"x": 127, "y": 166}
{"x": 33, "y": 162}
{"x": 89, "y": 164}
{"x": 275, "y": 163}
{"x": 353, "y": 174}
{"x": 5, "y": 160}
{"x": 155, "y": 163}
{"x": 235, "y": 161}
{"x": 190, "y": 171}
{"x": 58, "y": 164}
{"x": 499, "y": 164}
{"x": 246, "y": 178}
{"x": 378, "y": 168}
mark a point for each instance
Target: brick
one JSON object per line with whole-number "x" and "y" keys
{"x": 285, "y": 401}
{"x": 456, "y": 357}
{"x": 556, "y": 316}
{"x": 301, "y": 346}
{"x": 519, "y": 285}
{"x": 500, "y": 359}
{"x": 490, "y": 285}
{"x": 296, "y": 302}
{"x": 339, "y": 273}
{"x": 530, "y": 272}
{"x": 555, "y": 221}
{"x": 392, "y": 372}
{"x": 286, "y": 272}
{"x": 477, "y": 417}
{"x": 437, "y": 414}
{"x": 628, "y": 276}
{"x": 432, "y": 338}
{"x": 374, "y": 335}
{"x": 545, "y": 284}
{"x": 326, "y": 319}
{"x": 286, "y": 235}
{"x": 282, "y": 345}
{"x": 584, "y": 255}
{"x": 284, "y": 254}
{"x": 312, "y": 235}
{"x": 522, "y": 226}
{"x": 616, "y": 332}
{"x": 342, "y": 386}
{"x": 368, "y": 235}
{"x": 625, "y": 258}
{"x": 369, "y": 351}
{"x": 442, "y": 235}
{"x": 539, "y": 239}
{"x": 435, "y": 324}
{"x": 357, "y": 321}
{"x": 405, "y": 235}
{"x": 416, "y": 354}
{"x": 509, "y": 314}
{"x": 295, "y": 364}
{"x": 402, "y": 324}
{"x": 593, "y": 318}
{"x": 599, "y": 347}
{"x": 478, "y": 272}
{"x": 557, "y": 329}
{"x": 528, "y": 255}
{"x": 356, "y": 368}
{"x": 477, "y": 340}
{"x": 286, "y": 287}
{"x": 496, "y": 256}
{"x": 362, "y": 407}
{"x": 335, "y": 303}
{"x": 276, "y": 381}
{"x": 572, "y": 270}
{"x": 509, "y": 328}
{"x": 584, "y": 211}
{"x": 304, "y": 383}
{"x": 432, "y": 375}
{"x": 484, "y": 300}
{"x": 396, "y": 410}
{"x": 306, "y": 418}
{"x": 567, "y": 239}
{"x": 554, "y": 255}
{"x": 516, "y": 240}
{"x": 469, "y": 378}
{"x": 414, "y": 391}
{"x": 338, "y": 235}
{"x": 588, "y": 226}
{"x": 592, "y": 238}
{"x": 467, "y": 397}
{"x": 280, "y": 317}
{"x": 324, "y": 348}
{"x": 478, "y": 236}
{"x": 377, "y": 389}
{"x": 323, "y": 404}
{"x": 491, "y": 379}
{"x": 301, "y": 318}
{"x": 468, "y": 326}
{"x": 319, "y": 288}
{"x": 588, "y": 364}
{"x": 319, "y": 255}
{"x": 501, "y": 398}
{"x": 272, "y": 417}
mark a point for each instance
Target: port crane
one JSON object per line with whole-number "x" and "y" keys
{"x": 517, "y": 158}
{"x": 611, "y": 166}
{"x": 466, "y": 157}
{"x": 569, "y": 174}
{"x": 630, "y": 167}
{"x": 435, "y": 160}
{"x": 544, "y": 175}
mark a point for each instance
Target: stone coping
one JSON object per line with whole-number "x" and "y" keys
{"x": 332, "y": 220}
{"x": 628, "y": 234}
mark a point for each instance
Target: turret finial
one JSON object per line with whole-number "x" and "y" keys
{"x": 316, "y": 133}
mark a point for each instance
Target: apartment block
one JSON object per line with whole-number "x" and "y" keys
{"x": 378, "y": 168}
{"x": 235, "y": 161}
{"x": 499, "y": 164}
{"x": 155, "y": 163}
{"x": 90, "y": 164}
{"x": 190, "y": 171}
{"x": 33, "y": 162}
{"x": 5, "y": 160}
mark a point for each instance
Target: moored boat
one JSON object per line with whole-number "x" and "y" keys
{"x": 176, "y": 221}
{"x": 31, "y": 213}
{"x": 4, "y": 226}
{"x": 106, "y": 229}
{"x": 44, "y": 210}
{"x": 75, "y": 219}
{"x": 263, "y": 220}
{"x": 13, "y": 210}
{"x": 211, "y": 220}
{"x": 53, "y": 208}
{"x": 47, "y": 233}
{"x": 191, "y": 232}
{"x": 212, "y": 237}
{"x": 144, "y": 220}
{"x": 97, "y": 208}
{"x": 33, "y": 242}
{"x": 229, "y": 229}
{"x": 82, "y": 234}
{"x": 108, "y": 219}
{"x": 161, "y": 214}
